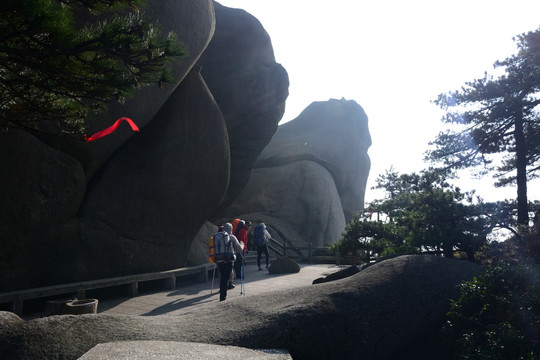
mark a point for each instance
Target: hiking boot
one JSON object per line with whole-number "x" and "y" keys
{"x": 231, "y": 286}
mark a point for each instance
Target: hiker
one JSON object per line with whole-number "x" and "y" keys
{"x": 260, "y": 239}
{"x": 225, "y": 246}
{"x": 236, "y": 225}
{"x": 242, "y": 236}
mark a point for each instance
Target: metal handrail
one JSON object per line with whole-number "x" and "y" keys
{"x": 282, "y": 249}
{"x": 298, "y": 252}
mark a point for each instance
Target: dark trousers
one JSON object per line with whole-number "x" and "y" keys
{"x": 260, "y": 250}
{"x": 225, "y": 269}
{"x": 238, "y": 265}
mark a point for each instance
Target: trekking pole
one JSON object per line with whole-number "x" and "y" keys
{"x": 267, "y": 257}
{"x": 213, "y": 276}
{"x": 242, "y": 290}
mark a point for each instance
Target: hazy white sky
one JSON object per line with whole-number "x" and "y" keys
{"x": 393, "y": 58}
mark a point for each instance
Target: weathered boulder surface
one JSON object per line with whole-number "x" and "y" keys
{"x": 41, "y": 187}
{"x": 133, "y": 202}
{"x": 160, "y": 350}
{"x": 335, "y": 135}
{"x": 376, "y": 313}
{"x": 140, "y": 209}
{"x": 47, "y": 178}
{"x": 250, "y": 88}
{"x": 193, "y": 21}
{"x": 154, "y": 193}
{"x": 198, "y": 253}
{"x": 283, "y": 265}
{"x": 311, "y": 178}
{"x": 342, "y": 274}
{"x": 298, "y": 200}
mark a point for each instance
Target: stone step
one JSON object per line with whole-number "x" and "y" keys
{"x": 251, "y": 258}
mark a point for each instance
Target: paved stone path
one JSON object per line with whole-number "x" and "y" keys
{"x": 187, "y": 297}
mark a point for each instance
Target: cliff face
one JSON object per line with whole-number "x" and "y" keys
{"x": 147, "y": 201}
{"x": 133, "y": 202}
{"x": 249, "y": 87}
{"x": 311, "y": 178}
{"x": 333, "y": 134}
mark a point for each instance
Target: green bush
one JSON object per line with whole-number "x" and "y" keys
{"x": 497, "y": 316}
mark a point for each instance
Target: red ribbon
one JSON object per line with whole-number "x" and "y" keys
{"x": 111, "y": 129}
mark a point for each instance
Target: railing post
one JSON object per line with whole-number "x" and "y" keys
{"x": 338, "y": 260}
{"x": 170, "y": 283}
{"x": 17, "y": 306}
{"x": 81, "y": 294}
{"x": 133, "y": 289}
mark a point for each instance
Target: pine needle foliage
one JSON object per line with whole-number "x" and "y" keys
{"x": 53, "y": 74}
{"x": 495, "y": 122}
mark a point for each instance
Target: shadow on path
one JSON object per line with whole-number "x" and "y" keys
{"x": 181, "y": 303}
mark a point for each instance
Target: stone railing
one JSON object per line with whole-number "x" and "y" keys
{"x": 16, "y": 298}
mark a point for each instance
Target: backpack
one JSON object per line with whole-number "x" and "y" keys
{"x": 258, "y": 236}
{"x": 237, "y": 224}
{"x": 239, "y": 227}
{"x": 223, "y": 248}
{"x": 211, "y": 251}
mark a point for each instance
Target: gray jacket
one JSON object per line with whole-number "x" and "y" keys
{"x": 237, "y": 245}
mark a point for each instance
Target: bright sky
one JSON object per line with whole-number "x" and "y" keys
{"x": 393, "y": 58}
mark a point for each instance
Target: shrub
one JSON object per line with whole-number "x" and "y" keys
{"x": 497, "y": 316}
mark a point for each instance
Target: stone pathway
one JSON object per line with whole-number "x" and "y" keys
{"x": 189, "y": 296}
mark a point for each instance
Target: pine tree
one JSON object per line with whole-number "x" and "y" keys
{"x": 55, "y": 73}
{"x": 497, "y": 116}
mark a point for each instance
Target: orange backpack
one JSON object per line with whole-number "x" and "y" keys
{"x": 235, "y": 223}
{"x": 211, "y": 251}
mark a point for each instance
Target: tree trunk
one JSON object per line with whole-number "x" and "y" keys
{"x": 448, "y": 251}
{"x": 521, "y": 177}
{"x": 470, "y": 255}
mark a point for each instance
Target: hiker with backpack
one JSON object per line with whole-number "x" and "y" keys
{"x": 260, "y": 239}
{"x": 242, "y": 236}
{"x": 225, "y": 246}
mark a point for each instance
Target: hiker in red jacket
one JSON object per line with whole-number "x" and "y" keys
{"x": 242, "y": 236}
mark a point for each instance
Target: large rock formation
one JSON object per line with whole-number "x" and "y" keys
{"x": 133, "y": 202}
{"x": 376, "y": 314}
{"x": 333, "y": 134}
{"x": 41, "y": 187}
{"x": 298, "y": 202}
{"x": 249, "y": 87}
{"x": 144, "y": 350}
{"x": 142, "y": 206}
{"x": 194, "y": 23}
{"x": 312, "y": 176}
